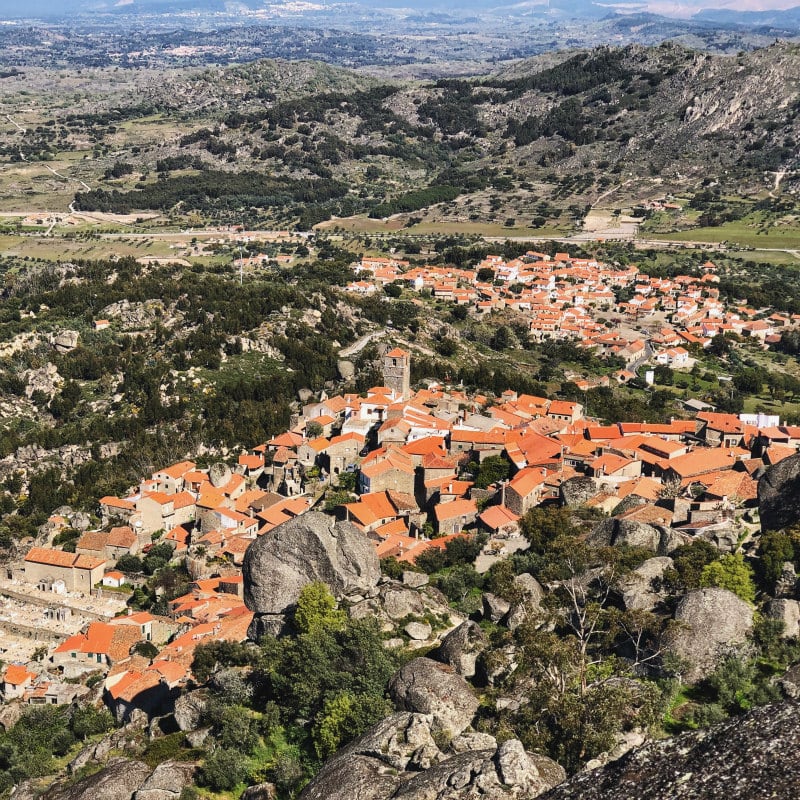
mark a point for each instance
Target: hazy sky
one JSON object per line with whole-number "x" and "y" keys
{"x": 674, "y": 8}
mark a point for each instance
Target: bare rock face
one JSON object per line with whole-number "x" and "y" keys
{"x": 427, "y": 687}
{"x": 399, "y": 758}
{"x": 261, "y": 791}
{"x": 46, "y": 380}
{"x": 219, "y": 474}
{"x": 531, "y": 603}
{"x": 618, "y": 532}
{"x": 346, "y": 369}
{"x": 167, "y": 781}
{"x": 418, "y": 631}
{"x": 371, "y": 767}
{"x": 712, "y": 622}
{"x": 399, "y": 602}
{"x": 305, "y": 549}
{"x": 118, "y": 780}
{"x": 786, "y": 585}
{"x": 642, "y": 588}
{"x": 189, "y": 710}
{"x": 576, "y": 491}
{"x": 746, "y": 757}
{"x": 508, "y": 772}
{"x": 788, "y": 612}
{"x": 461, "y": 647}
{"x": 779, "y": 495}
{"x": 494, "y": 607}
{"x": 64, "y": 341}
{"x": 415, "y": 580}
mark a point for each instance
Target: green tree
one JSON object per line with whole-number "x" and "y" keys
{"x": 208, "y": 657}
{"x": 544, "y": 524}
{"x": 89, "y": 721}
{"x": 731, "y": 573}
{"x": 492, "y": 470}
{"x": 223, "y": 770}
{"x": 313, "y": 430}
{"x": 774, "y": 549}
{"x": 316, "y": 610}
{"x": 689, "y": 561}
{"x": 344, "y": 717}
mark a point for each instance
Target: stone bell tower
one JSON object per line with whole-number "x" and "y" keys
{"x": 397, "y": 371}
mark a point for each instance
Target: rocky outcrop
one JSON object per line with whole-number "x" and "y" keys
{"x": 788, "y": 612}
{"x": 508, "y": 772}
{"x": 371, "y": 766}
{"x": 418, "y": 631}
{"x": 135, "y": 316}
{"x": 461, "y": 647}
{"x": 308, "y": 548}
{"x": 400, "y": 758}
{"x": 261, "y": 791}
{"x": 642, "y": 588}
{"x": 786, "y": 585}
{"x": 167, "y": 781}
{"x": 779, "y": 495}
{"x": 64, "y": 341}
{"x": 747, "y": 757}
{"x": 189, "y": 710}
{"x": 577, "y": 491}
{"x": 415, "y": 580}
{"x": 531, "y": 603}
{"x": 399, "y": 602}
{"x": 219, "y": 474}
{"x": 45, "y": 380}
{"x": 346, "y": 369}
{"x": 118, "y": 780}
{"x": 712, "y": 623}
{"x": 427, "y": 687}
{"x": 618, "y": 532}
{"x": 495, "y": 607}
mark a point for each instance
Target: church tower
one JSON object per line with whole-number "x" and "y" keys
{"x": 397, "y": 372}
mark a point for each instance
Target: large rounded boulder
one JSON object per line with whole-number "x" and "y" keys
{"x": 308, "y": 548}
{"x": 712, "y": 622}
{"x": 461, "y": 647}
{"x": 424, "y": 686}
{"x": 779, "y": 495}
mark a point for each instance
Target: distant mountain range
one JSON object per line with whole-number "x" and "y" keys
{"x": 432, "y": 10}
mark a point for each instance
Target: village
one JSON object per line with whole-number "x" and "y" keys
{"x": 410, "y": 468}
{"x": 612, "y": 312}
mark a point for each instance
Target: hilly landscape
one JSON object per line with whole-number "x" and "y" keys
{"x": 554, "y": 133}
{"x": 413, "y": 413}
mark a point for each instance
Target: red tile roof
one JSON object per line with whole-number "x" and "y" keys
{"x": 58, "y": 558}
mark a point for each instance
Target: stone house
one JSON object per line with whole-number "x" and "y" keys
{"x": 454, "y": 517}
{"x": 160, "y": 511}
{"x": 75, "y": 573}
{"x": 387, "y": 469}
{"x": 16, "y": 680}
{"x": 101, "y": 646}
{"x": 525, "y": 490}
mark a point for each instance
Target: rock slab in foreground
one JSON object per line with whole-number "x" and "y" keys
{"x": 399, "y": 758}
{"x": 303, "y": 550}
{"x": 746, "y": 758}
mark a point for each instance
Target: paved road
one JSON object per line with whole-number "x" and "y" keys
{"x": 361, "y": 343}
